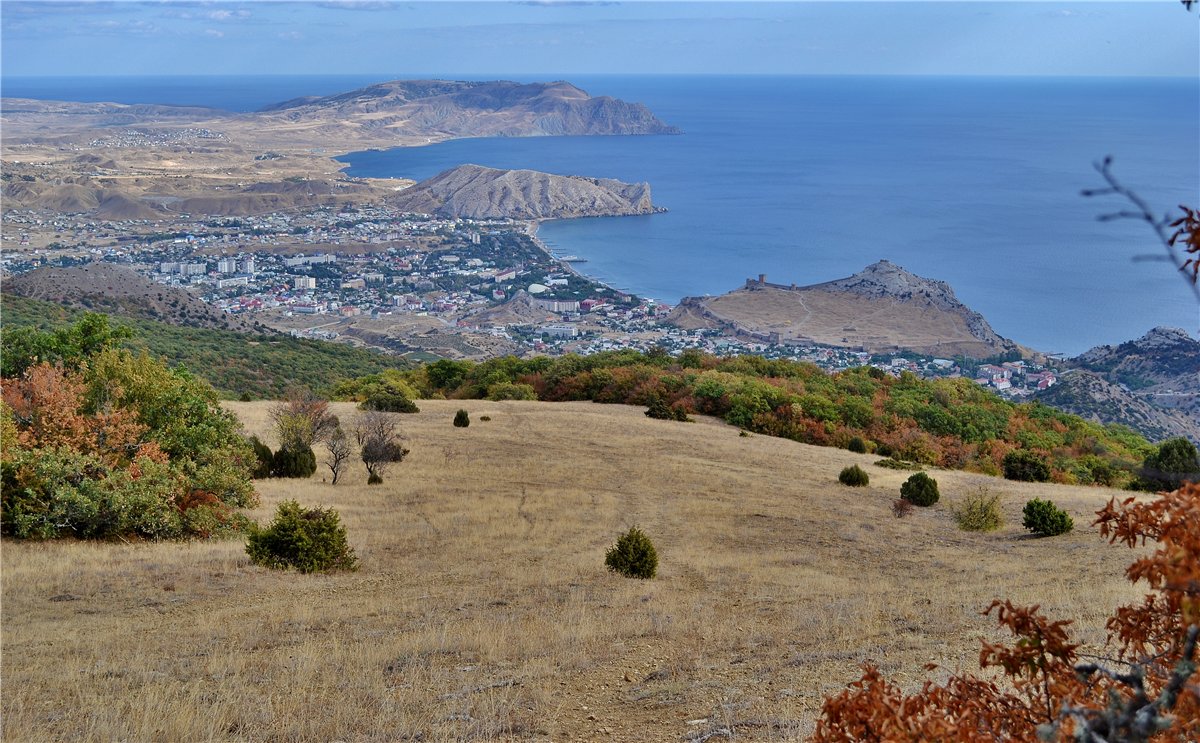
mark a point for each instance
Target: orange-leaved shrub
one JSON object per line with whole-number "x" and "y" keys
{"x": 1046, "y": 692}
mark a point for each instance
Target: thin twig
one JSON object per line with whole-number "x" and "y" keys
{"x": 1143, "y": 213}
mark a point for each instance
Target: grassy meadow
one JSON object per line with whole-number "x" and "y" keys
{"x": 482, "y": 609}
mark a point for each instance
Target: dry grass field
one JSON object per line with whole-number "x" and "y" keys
{"x": 482, "y": 609}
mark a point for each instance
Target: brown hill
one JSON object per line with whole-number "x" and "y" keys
{"x": 881, "y": 309}
{"x": 105, "y": 287}
{"x": 476, "y": 192}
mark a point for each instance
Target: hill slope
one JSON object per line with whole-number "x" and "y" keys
{"x": 234, "y": 363}
{"x": 1151, "y": 384}
{"x": 116, "y": 290}
{"x": 881, "y": 309}
{"x": 476, "y": 192}
{"x": 483, "y": 611}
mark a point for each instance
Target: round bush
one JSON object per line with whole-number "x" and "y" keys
{"x": 462, "y": 419}
{"x": 389, "y": 401}
{"x": 857, "y": 445}
{"x": 1025, "y": 466}
{"x": 310, "y": 540}
{"x": 633, "y": 555}
{"x": 854, "y": 476}
{"x": 920, "y": 490}
{"x": 1045, "y": 519}
{"x": 294, "y": 463}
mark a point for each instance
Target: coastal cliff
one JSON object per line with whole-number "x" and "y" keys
{"x": 881, "y": 309}
{"x": 476, "y": 192}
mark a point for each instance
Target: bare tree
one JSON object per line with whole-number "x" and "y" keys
{"x": 338, "y": 444}
{"x": 302, "y": 419}
{"x": 375, "y": 432}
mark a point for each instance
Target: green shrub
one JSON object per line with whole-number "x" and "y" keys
{"x": 510, "y": 391}
{"x": 462, "y": 419}
{"x": 485, "y": 418}
{"x": 294, "y": 463}
{"x": 1025, "y": 466}
{"x": 1045, "y": 519}
{"x": 920, "y": 490}
{"x": 854, "y": 476}
{"x": 857, "y": 445}
{"x": 979, "y": 511}
{"x": 896, "y": 464}
{"x": 1174, "y": 462}
{"x": 633, "y": 555}
{"x": 660, "y": 410}
{"x": 389, "y": 401}
{"x": 310, "y": 540}
{"x": 265, "y": 460}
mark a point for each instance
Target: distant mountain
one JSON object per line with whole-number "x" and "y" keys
{"x": 881, "y": 309}
{"x": 119, "y": 291}
{"x": 471, "y": 109}
{"x": 1160, "y": 370}
{"x": 477, "y": 192}
{"x": 1089, "y": 395}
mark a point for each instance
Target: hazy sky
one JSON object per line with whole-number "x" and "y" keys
{"x": 47, "y": 37}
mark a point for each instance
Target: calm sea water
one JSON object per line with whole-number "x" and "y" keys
{"x": 974, "y": 181}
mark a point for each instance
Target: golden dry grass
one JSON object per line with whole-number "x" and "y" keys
{"x": 482, "y": 610}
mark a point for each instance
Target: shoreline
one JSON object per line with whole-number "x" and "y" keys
{"x": 531, "y": 229}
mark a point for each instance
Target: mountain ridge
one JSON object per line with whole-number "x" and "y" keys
{"x": 478, "y": 192}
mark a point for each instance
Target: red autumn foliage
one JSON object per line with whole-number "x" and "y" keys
{"x": 1048, "y": 694}
{"x": 47, "y": 403}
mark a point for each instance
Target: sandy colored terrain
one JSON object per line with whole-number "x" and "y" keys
{"x": 482, "y": 610}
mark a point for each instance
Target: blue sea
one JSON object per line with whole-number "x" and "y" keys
{"x": 974, "y": 181}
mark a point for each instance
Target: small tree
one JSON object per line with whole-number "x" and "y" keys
{"x": 302, "y": 419}
{"x": 340, "y": 450}
{"x": 920, "y": 490}
{"x": 854, "y": 476}
{"x": 1025, "y": 466}
{"x": 633, "y": 555}
{"x": 462, "y": 419}
{"x": 380, "y": 445}
{"x": 308, "y": 539}
{"x": 1045, "y": 519}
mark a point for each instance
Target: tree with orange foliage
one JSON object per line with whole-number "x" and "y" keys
{"x": 1050, "y": 695}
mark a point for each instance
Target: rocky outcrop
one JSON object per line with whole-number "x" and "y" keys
{"x": 476, "y": 192}
{"x": 881, "y": 309}
{"x": 886, "y": 279}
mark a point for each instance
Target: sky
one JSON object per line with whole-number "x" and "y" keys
{"x": 176, "y": 37}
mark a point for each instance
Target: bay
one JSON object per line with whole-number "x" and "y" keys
{"x": 974, "y": 181}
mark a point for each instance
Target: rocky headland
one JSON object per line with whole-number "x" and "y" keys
{"x": 881, "y": 309}
{"x": 118, "y": 161}
{"x": 476, "y": 192}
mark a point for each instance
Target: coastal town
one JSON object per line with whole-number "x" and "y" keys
{"x": 423, "y": 286}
